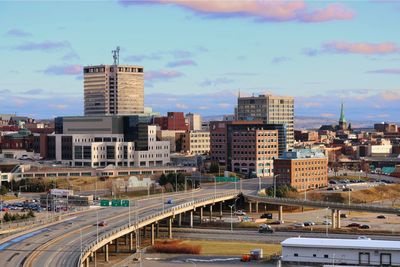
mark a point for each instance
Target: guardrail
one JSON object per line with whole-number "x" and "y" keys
{"x": 149, "y": 219}
{"x": 323, "y": 204}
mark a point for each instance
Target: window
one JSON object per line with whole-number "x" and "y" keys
{"x": 296, "y": 254}
{"x": 326, "y": 256}
{"x": 314, "y": 255}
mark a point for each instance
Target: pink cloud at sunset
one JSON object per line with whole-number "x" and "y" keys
{"x": 361, "y": 48}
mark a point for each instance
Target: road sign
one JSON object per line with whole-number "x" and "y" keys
{"x": 104, "y": 203}
{"x": 125, "y": 203}
{"x": 116, "y": 202}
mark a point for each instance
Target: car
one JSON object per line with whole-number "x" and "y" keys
{"x": 240, "y": 213}
{"x": 326, "y": 222}
{"x": 170, "y": 201}
{"x": 102, "y": 223}
{"x": 332, "y": 182}
{"x": 266, "y": 216}
{"x": 343, "y": 215}
{"x": 309, "y": 223}
{"x": 381, "y": 217}
{"x": 299, "y": 225}
{"x": 354, "y": 225}
{"x": 363, "y": 238}
{"x": 265, "y": 228}
{"x": 346, "y": 189}
{"x": 364, "y": 226}
{"x": 330, "y": 189}
{"x": 5, "y": 209}
{"x": 277, "y": 222}
{"x": 24, "y": 157}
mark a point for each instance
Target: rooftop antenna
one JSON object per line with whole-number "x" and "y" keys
{"x": 116, "y": 55}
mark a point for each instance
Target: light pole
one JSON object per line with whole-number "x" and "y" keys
{"x": 326, "y": 223}
{"x": 231, "y": 206}
{"x": 162, "y": 198}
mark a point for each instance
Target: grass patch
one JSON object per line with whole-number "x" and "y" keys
{"x": 235, "y": 248}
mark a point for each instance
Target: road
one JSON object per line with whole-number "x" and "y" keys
{"x": 60, "y": 244}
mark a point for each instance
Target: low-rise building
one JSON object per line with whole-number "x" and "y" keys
{"x": 196, "y": 142}
{"x": 349, "y": 252}
{"x": 302, "y": 169}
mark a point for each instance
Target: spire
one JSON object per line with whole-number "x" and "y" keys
{"x": 342, "y": 118}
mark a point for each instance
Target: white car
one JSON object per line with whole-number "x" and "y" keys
{"x": 326, "y": 222}
{"x": 240, "y": 213}
{"x": 298, "y": 225}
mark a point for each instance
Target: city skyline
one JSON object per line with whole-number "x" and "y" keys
{"x": 197, "y": 55}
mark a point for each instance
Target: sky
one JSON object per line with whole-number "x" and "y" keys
{"x": 197, "y": 55}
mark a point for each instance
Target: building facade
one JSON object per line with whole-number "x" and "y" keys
{"x": 270, "y": 109}
{"x": 173, "y": 121}
{"x": 246, "y": 146}
{"x": 196, "y": 142}
{"x": 194, "y": 121}
{"x": 302, "y": 169}
{"x": 113, "y": 90}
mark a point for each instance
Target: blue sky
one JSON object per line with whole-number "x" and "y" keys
{"x": 198, "y": 54}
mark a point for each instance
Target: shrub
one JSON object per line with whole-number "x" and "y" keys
{"x": 176, "y": 247}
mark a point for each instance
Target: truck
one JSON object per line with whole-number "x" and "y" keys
{"x": 265, "y": 228}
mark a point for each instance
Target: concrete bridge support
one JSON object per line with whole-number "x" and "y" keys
{"x": 333, "y": 218}
{"x": 152, "y": 234}
{"x": 87, "y": 262}
{"x": 250, "y": 204}
{"x": 257, "y": 207}
{"x": 280, "y": 213}
{"x": 220, "y": 209}
{"x": 116, "y": 245}
{"x": 106, "y": 253}
{"x": 338, "y": 224}
{"x": 211, "y": 208}
{"x": 180, "y": 219}
{"x": 157, "y": 230}
{"x": 169, "y": 228}
{"x": 191, "y": 219}
{"x": 130, "y": 241}
{"x": 201, "y": 214}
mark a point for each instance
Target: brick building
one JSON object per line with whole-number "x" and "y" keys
{"x": 246, "y": 146}
{"x": 302, "y": 169}
{"x": 173, "y": 121}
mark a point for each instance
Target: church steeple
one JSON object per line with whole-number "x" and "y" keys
{"x": 342, "y": 119}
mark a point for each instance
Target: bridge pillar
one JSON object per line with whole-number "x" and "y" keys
{"x": 131, "y": 241}
{"x": 180, "y": 219}
{"x": 116, "y": 245}
{"x": 333, "y": 218}
{"x": 280, "y": 213}
{"x": 157, "y": 230}
{"x": 201, "y": 214}
{"x": 87, "y": 262}
{"x": 220, "y": 209}
{"x": 106, "y": 253}
{"x": 257, "y": 207}
{"x": 338, "y": 226}
{"x": 191, "y": 219}
{"x": 250, "y": 207}
{"x": 152, "y": 234}
{"x": 126, "y": 240}
{"x": 169, "y": 228}
{"x": 144, "y": 232}
{"x": 211, "y": 212}
{"x": 137, "y": 240}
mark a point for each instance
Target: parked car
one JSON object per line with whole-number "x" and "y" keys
{"x": 266, "y": 216}
{"x": 365, "y": 226}
{"x": 355, "y": 225}
{"x": 24, "y": 157}
{"x": 298, "y": 225}
{"x": 265, "y": 228}
{"x": 4, "y": 209}
{"x": 326, "y": 222}
{"x": 103, "y": 223}
{"x": 170, "y": 201}
{"x": 277, "y": 222}
{"x": 381, "y": 217}
{"x": 346, "y": 189}
{"x": 240, "y": 213}
{"x": 309, "y": 223}
{"x": 330, "y": 189}
{"x": 343, "y": 215}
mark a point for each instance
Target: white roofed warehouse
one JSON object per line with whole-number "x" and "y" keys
{"x": 362, "y": 251}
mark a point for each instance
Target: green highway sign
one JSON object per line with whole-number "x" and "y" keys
{"x": 125, "y": 203}
{"x": 116, "y": 202}
{"x": 104, "y": 203}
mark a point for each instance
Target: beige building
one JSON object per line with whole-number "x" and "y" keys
{"x": 170, "y": 136}
{"x": 194, "y": 121}
{"x": 113, "y": 89}
{"x": 196, "y": 142}
{"x": 270, "y": 109}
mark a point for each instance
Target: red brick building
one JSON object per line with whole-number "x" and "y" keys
{"x": 173, "y": 121}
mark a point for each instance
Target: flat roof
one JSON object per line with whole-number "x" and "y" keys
{"x": 341, "y": 243}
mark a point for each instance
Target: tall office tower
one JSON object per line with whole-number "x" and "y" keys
{"x": 113, "y": 89}
{"x": 270, "y": 109}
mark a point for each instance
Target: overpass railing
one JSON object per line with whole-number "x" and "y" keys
{"x": 323, "y": 204}
{"x": 149, "y": 218}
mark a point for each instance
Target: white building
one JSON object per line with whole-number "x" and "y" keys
{"x": 361, "y": 251}
{"x": 100, "y": 150}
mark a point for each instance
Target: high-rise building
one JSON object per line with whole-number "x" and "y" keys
{"x": 113, "y": 90}
{"x": 270, "y": 109}
{"x": 194, "y": 121}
